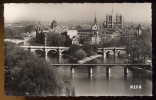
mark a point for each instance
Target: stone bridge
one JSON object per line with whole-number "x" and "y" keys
{"x": 59, "y": 50}
{"x": 108, "y": 66}
{"x": 115, "y": 50}
{"x": 46, "y": 49}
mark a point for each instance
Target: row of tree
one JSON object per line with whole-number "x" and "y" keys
{"x": 27, "y": 74}
{"x": 16, "y": 32}
{"x": 56, "y": 39}
{"x": 142, "y": 48}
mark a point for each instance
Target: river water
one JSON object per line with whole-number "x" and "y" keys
{"x": 101, "y": 84}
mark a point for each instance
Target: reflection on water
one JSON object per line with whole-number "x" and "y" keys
{"x": 117, "y": 83}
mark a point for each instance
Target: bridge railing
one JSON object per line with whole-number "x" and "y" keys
{"x": 103, "y": 64}
{"x": 66, "y": 47}
{"x": 45, "y": 47}
{"x": 112, "y": 48}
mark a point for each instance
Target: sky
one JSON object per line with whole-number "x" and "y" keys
{"x": 135, "y": 12}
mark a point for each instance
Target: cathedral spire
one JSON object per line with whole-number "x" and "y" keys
{"x": 95, "y": 20}
{"x": 39, "y": 26}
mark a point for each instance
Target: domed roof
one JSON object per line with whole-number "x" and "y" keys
{"x": 53, "y": 22}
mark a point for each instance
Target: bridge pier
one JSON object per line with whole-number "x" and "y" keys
{"x": 72, "y": 70}
{"x": 90, "y": 76}
{"x": 90, "y": 70}
{"x": 117, "y": 54}
{"x": 45, "y": 53}
{"x": 29, "y": 49}
{"x": 125, "y": 76}
{"x": 126, "y": 71}
{"x": 107, "y": 70}
{"x": 107, "y": 76}
{"x": 59, "y": 52}
{"x": 104, "y": 53}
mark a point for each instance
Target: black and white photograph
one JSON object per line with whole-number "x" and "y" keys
{"x": 77, "y": 49}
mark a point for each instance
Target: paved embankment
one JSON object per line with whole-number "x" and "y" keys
{"x": 88, "y": 59}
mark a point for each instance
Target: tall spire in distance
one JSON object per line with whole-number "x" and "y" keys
{"x": 95, "y": 20}
{"x": 39, "y": 26}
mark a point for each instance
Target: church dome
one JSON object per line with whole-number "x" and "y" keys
{"x": 53, "y": 24}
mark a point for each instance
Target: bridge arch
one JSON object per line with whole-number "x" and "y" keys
{"x": 118, "y": 52}
{"x": 64, "y": 52}
{"x": 34, "y": 50}
{"x": 38, "y": 50}
{"x": 100, "y": 52}
{"x": 108, "y": 52}
{"x": 51, "y": 51}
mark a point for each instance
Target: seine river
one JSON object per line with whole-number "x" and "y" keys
{"x": 101, "y": 84}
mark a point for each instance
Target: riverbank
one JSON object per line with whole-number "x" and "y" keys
{"x": 147, "y": 73}
{"x": 88, "y": 59}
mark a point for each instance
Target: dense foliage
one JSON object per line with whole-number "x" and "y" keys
{"x": 27, "y": 74}
{"x": 68, "y": 42}
{"x": 73, "y": 48}
{"x": 30, "y": 28}
{"x": 80, "y": 54}
{"x": 142, "y": 48}
{"x": 56, "y": 39}
{"x": 16, "y": 32}
{"x": 90, "y": 49}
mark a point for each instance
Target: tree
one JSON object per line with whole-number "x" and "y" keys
{"x": 89, "y": 49}
{"x": 26, "y": 73}
{"x": 140, "y": 49}
{"x": 145, "y": 49}
{"x": 56, "y": 39}
{"x": 95, "y": 48}
{"x": 146, "y": 35}
{"x": 29, "y": 28}
{"x": 14, "y": 33}
{"x": 73, "y": 48}
{"x": 80, "y": 54}
{"x": 68, "y": 42}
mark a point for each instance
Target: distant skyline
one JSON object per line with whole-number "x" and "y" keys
{"x": 135, "y": 12}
